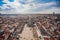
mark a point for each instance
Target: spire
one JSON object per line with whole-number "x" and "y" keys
{"x": 53, "y": 13}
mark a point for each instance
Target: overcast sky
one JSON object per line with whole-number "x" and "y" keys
{"x": 29, "y": 6}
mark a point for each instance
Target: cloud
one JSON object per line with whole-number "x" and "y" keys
{"x": 57, "y": 3}
{"x": 40, "y": 7}
{"x": 53, "y": 9}
{"x": 28, "y": 6}
{"x": 2, "y": 3}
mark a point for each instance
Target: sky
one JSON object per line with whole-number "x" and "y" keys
{"x": 29, "y": 6}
